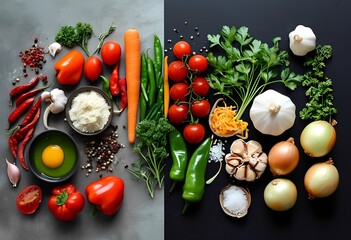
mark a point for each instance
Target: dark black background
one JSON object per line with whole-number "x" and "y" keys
{"x": 320, "y": 218}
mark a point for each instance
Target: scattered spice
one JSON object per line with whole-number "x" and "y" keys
{"x": 103, "y": 151}
{"x": 33, "y": 57}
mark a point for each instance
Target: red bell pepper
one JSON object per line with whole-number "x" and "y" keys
{"x": 106, "y": 194}
{"x": 66, "y": 202}
{"x": 70, "y": 68}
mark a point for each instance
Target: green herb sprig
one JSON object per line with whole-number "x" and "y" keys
{"x": 247, "y": 66}
{"x": 319, "y": 87}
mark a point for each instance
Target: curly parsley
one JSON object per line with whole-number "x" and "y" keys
{"x": 319, "y": 87}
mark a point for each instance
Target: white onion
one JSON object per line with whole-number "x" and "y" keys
{"x": 280, "y": 194}
{"x": 321, "y": 179}
{"x": 318, "y": 138}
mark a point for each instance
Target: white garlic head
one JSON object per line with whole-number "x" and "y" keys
{"x": 302, "y": 40}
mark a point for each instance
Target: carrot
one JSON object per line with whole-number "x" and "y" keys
{"x": 165, "y": 87}
{"x": 132, "y": 59}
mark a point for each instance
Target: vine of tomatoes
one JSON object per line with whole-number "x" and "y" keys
{"x": 188, "y": 92}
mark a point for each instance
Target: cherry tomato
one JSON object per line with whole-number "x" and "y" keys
{"x": 200, "y": 86}
{"x": 92, "y": 68}
{"x": 177, "y": 71}
{"x": 181, "y": 48}
{"x": 177, "y": 113}
{"x": 194, "y": 133}
{"x": 198, "y": 63}
{"x": 200, "y": 108}
{"x": 29, "y": 199}
{"x": 111, "y": 53}
{"x": 179, "y": 91}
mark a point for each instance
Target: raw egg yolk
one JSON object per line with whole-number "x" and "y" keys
{"x": 52, "y": 156}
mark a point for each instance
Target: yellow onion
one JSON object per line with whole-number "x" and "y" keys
{"x": 321, "y": 179}
{"x": 280, "y": 194}
{"x": 318, "y": 138}
{"x": 283, "y": 157}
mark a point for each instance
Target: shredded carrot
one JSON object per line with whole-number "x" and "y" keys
{"x": 223, "y": 122}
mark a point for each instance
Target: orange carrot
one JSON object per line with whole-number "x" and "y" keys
{"x": 132, "y": 58}
{"x": 165, "y": 87}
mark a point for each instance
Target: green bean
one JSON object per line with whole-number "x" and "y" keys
{"x": 158, "y": 54}
{"x": 152, "y": 81}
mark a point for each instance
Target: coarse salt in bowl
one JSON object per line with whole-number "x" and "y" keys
{"x": 89, "y": 110}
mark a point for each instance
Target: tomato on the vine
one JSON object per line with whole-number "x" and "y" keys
{"x": 177, "y": 113}
{"x": 92, "y": 68}
{"x": 194, "y": 133}
{"x": 29, "y": 199}
{"x": 111, "y": 53}
{"x": 200, "y": 108}
{"x": 179, "y": 91}
{"x": 198, "y": 63}
{"x": 181, "y": 48}
{"x": 177, "y": 71}
{"x": 200, "y": 86}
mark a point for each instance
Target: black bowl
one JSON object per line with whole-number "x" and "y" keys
{"x": 85, "y": 131}
{"x": 70, "y": 159}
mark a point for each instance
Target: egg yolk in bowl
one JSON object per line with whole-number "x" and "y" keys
{"x": 52, "y": 156}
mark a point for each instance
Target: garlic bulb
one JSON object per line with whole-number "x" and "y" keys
{"x": 246, "y": 160}
{"x": 13, "y": 173}
{"x": 272, "y": 113}
{"x": 54, "y": 48}
{"x": 302, "y": 40}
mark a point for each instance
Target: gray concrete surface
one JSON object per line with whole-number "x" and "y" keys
{"x": 140, "y": 216}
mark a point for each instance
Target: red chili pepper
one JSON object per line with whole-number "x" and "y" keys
{"x": 20, "y": 134}
{"x": 29, "y": 94}
{"x": 22, "y": 88}
{"x": 22, "y": 147}
{"x": 13, "y": 146}
{"x": 30, "y": 115}
{"x": 123, "y": 85}
{"x": 114, "y": 87}
{"x": 16, "y": 113}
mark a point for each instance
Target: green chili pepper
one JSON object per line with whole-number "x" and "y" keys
{"x": 194, "y": 186}
{"x": 152, "y": 81}
{"x": 179, "y": 154}
{"x": 158, "y": 54}
{"x": 106, "y": 86}
{"x": 144, "y": 76}
{"x": 143, "y": 107}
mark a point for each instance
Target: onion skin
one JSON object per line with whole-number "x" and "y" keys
{"x": 318, "y": 138}
{"x": 283, "y": 157}
{"x": 321, "y": 179}
{"x": 280, "y": 194}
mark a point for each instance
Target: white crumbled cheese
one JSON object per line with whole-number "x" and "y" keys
{"x": 216, "y": 152}
{"x": 89, "y": 111}
{"x": 235, "y": 200}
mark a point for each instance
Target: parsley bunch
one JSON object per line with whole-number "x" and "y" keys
{"x": 319, "y": 87}
{"x": 71, "y": 36}
{"x": 152, "y": 148}
{"x": 247, "y": 66}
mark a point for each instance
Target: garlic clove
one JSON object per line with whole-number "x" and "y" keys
{"x": 54, "y": 48}
{"x": 235, "y": 201}
{"x": 13, "y": 173}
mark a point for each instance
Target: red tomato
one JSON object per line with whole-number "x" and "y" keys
{"x": 177, "y": 113}
{"x": 181, "y": 48}
{"x": 92, "y": 68}
{"x": 111, "y": 53}
{"x": 200, "y": 86}
{"x": 194, "y": 133}
{"x": 200, "y": 108}
{"x": 177, "y": 71}
{"x": 179, "y": 91}
{"x": 29, "y": 199}
{"x": 198, "y": 63}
